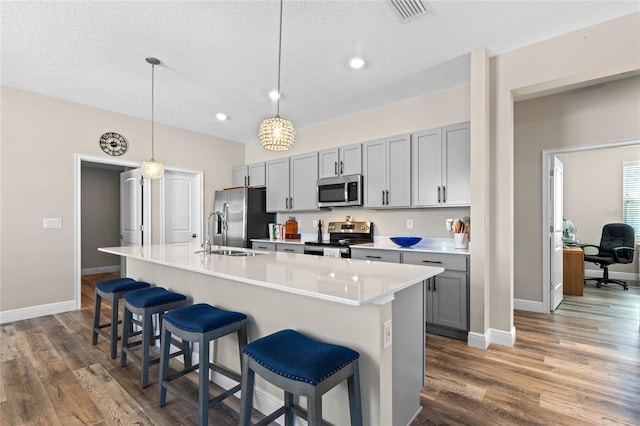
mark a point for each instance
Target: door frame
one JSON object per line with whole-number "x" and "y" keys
{"x": 547, "y": 165}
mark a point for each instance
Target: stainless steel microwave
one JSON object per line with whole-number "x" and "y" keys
{"x": 340, "y": 191}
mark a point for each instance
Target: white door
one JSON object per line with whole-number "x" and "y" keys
{"x": 131, "y": 219}
{"x": 555, "y": 234}
{"x": 182, "y": 207}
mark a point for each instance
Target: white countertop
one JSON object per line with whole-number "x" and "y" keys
{"x": 346, "y": 281}
{"x": 427, "y": 245}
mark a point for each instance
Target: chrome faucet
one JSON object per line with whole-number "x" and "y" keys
{"x": 207, "y": 232}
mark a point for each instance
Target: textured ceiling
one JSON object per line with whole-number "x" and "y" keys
{"x": 221, "y": 56}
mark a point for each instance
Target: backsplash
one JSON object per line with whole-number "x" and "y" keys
{"x": 426, "y": 222}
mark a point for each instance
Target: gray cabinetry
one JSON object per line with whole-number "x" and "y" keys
{"x": 279, "y": 246}
{"x": 441, "y": 170}
{"x": 291, "y": 183}
{"x": 343, "y": 161}
{"x": 250, "y": 175}
{"x": 447, "y": 294}
{"x": 386, "y": 167}
{"x": 392, "y": 256}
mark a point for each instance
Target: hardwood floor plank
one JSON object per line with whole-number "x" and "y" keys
{"x": 115, "y": 403}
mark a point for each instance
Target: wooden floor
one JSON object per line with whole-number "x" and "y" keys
{"x": 580, "y": 365}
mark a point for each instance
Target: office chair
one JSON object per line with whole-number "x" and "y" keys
{"x": 616, "y": 246}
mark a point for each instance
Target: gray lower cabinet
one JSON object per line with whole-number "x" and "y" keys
{"x": 391, "y": 256}
{"x": 446, "y": 294}
{"x": 274, "y": 246}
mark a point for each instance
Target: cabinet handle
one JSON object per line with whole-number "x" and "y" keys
{"x": 429, "y": 284}
{"x": 434, "y": 285}
{"x": 444, "y": 194}
{"x": 341, "y": 167}
{"x": 248, "y": 180}
{"x": 335, "y": 168}
{"x": 286, "y": 203}
{"x": 387, "y": 196}
{"x": 290, "y": 203}
{"x": 286, "y": 249}
{"x": 438, "y": 194}
{"x": 245, "y": 181}
{"x": 431, "y": 261}
{"x": 373, "y": 257}
{"x": 383, "y": 197}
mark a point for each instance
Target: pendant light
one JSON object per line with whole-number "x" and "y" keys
{"x": 152, "y": 169}
{"x": 276, "y": 133}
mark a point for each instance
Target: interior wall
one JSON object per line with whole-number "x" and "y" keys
{"x": 100, "y": 213}
{"x": 599, "y": 114}
{"x": 40, "y": 133}
{"x": 608, "y": 49}
{"x": 593, "y": 195}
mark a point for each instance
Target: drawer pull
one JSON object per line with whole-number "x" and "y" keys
{"x": 432, "y": 261}
{"x": 286, "y": 249}
{"x": 373, "y": 257}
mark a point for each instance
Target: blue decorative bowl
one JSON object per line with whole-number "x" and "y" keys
{"x": 405, "y": 241}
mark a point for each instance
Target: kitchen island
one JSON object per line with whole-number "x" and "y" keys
{"x": 342, "y": 301}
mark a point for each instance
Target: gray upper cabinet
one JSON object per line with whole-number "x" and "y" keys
{"x": 291, "y": 183}
{"x": 343, "y": 161}
{"x": 441, "y": 166}
{"x": 251, "y": 175}
{"x": 386, "y": 167}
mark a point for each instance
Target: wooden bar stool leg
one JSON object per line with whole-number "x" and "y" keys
{"x": 203, "y": 377}
{"x": 114, "y": 326}
{"x": 246, "y": 402}
{"x": 96, "y": 317}
{"x": 165, "y": 343}
{"x": 147, "y": 327}
{"x": 355, "y": 398}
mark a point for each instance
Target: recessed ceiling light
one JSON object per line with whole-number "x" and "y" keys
{"x": 221, "y": 116}
{"x": 356, "y": 63}
{"x": 274, "y": 95}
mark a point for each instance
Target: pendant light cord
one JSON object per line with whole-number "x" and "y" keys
{"x": 279, "y": 57}
{"x": 152, "y": 119}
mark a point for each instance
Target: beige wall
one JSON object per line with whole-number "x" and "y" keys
{"x": 100, "y": 216}
{"x": 600, "y": 51}
{"x": 601, "y": 114}
{"x": 39, "y": 137}
{"x": 593, "y": 194}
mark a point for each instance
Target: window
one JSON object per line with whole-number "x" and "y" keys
{"x": 631, "y": 194}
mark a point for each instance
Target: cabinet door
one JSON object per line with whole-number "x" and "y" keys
{"x": 373, "y": 171}
{"x": 303, "y": 182}
{"x": 290, "y": 248}
{"x": 257, "y": 174}
{"x": 456, "y": 164}
{"x": 428, "y": 300}
{"x": 399, "y": 171}
{"x": 239, "y": 176}
{"x": 427, "y": 165}
{"x": 391, "y": 256}
{"x": 350, "y": 162}
{"x": 277, "y": 185}
{"x": 449, "y": 303}
{"x": 328, "y": 163}
{"x": 264, "y": 245}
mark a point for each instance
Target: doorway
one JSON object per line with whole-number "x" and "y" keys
{"x": 116, "y": 166}
{"x": 597, "y": 207}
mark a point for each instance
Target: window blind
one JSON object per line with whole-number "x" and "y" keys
{"x": 631, "y": 194}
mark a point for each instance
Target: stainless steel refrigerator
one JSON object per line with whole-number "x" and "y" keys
{"x": 243, "y": 216}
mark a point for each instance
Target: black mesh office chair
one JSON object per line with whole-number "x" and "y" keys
{"x": 616, "y": 246}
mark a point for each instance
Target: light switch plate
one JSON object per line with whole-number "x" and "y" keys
{"x": 409, "y": 223}
{"x": 387, "y": 334}
{"x": 52, "y": 223}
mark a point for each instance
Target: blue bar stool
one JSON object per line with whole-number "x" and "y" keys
{"x": 112, "y": 290}
{"x": 149, "y": 302}
{"x": 302, "y": 366}
{"x": 200, "y": 323}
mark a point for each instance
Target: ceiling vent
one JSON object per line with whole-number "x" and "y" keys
{"x": 407, "y": 10}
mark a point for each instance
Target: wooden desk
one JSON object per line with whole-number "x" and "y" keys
{"x": 572, "y": 271}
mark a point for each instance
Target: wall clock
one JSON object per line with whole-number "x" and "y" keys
{"x": 113, "y": 143}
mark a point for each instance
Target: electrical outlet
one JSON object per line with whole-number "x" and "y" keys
{"x": 52, "y": 222}
{"x": 449, "y": 224}
{"x": 409, "y": 223}
{"x": 387, "y": 334}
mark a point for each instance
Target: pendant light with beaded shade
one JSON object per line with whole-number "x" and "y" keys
{"x": 152, "y": 169}
{"x": 277, "y": 133}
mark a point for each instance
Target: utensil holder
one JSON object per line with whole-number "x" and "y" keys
{"x": 460, "y": 241}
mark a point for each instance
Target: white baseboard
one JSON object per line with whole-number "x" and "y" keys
{"x": 529, "y": 305}
{"x": 37, "y": 311}
{"x": 499, "y": 337}
{"x": 100, "y": 270}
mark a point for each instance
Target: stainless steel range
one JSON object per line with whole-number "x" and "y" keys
{"x": 341, "y": 236}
